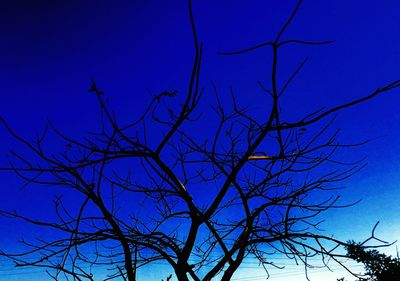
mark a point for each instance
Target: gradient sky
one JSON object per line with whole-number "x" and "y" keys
{"x": 49, "y": 50}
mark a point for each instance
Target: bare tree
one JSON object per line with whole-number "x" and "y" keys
{"x": 257, "y": 177}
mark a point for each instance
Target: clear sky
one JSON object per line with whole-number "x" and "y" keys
{"x": 49, "y": 51}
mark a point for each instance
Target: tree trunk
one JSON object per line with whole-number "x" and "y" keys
{"x": 181, "y": 274}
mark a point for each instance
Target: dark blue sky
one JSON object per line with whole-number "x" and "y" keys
{"x": 49, "y": 50}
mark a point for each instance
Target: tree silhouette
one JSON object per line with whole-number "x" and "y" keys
{"x": 258, "y": 178}
{"x": 378, "y": 266}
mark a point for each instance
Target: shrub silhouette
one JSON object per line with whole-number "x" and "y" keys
{"x": 378, "y": 266}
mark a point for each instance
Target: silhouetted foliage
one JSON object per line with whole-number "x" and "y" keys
{"x": 258, "y": 176}
{"x": 378, "y": 266}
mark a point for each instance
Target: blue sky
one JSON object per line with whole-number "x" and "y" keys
{"x": 49, "y": 51}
